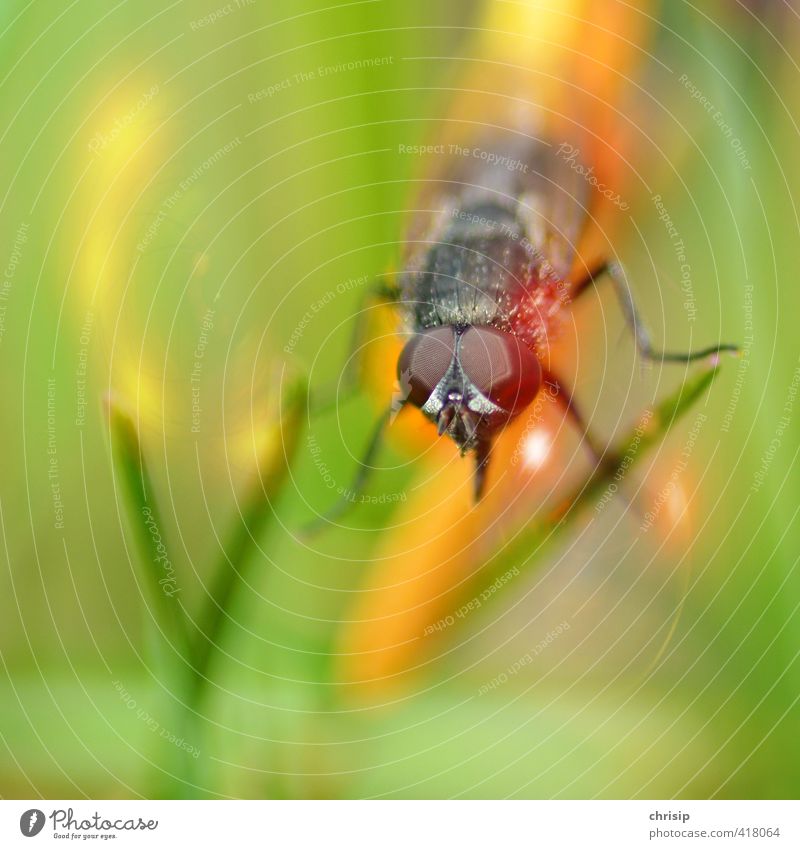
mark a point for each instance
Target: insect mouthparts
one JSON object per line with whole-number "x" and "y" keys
{"x": 445, "y": 418}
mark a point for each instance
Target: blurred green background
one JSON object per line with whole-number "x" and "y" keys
{"x": 173, "y": 180}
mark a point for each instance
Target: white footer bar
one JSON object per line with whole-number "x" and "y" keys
{"x": 415, "y": 824}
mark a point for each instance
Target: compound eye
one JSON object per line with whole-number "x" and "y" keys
{"x": 502, "y": 367}
{"x": 424, "y": 362}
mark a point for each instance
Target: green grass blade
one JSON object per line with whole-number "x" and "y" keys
{"x": 249, "y": 527}
{"x": 147, "y": 527}
{"x": 526, "y": 551}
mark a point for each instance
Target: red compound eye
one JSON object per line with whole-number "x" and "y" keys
{"x": 505, "y": 370}
{"x": 424, "y": 362}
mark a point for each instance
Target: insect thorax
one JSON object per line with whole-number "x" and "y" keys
{"x": 482, "y": 269}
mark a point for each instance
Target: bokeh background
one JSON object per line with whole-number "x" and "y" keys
{"x": 194, "y": 198}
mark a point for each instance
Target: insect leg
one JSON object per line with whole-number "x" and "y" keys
{"x": 354, "y": 490}
{"x": 615, "y": 273}
{"x": 603, "y": 457}
{"x": 483, "y": 453}
{"x": 564, "y": 398}
{"x": 325, "y": 398}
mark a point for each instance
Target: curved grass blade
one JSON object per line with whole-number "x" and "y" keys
{"x": 247, "y": 528}
{"x": 526, "y": 551}
{"x": 148, "y": 528}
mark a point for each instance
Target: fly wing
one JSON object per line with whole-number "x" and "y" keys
{"x": 541, "y": 184}
{"x": 553, "y": 203}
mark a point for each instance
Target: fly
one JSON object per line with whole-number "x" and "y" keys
{"x": 486, "y": 279}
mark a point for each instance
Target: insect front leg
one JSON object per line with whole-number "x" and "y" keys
{"x": 604, "y": 458}
{"x": 614, "y": 272}
{"x": 563, "y": 397}
{"x": 381, "y": 292}
{"x": 356, "y": 488}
